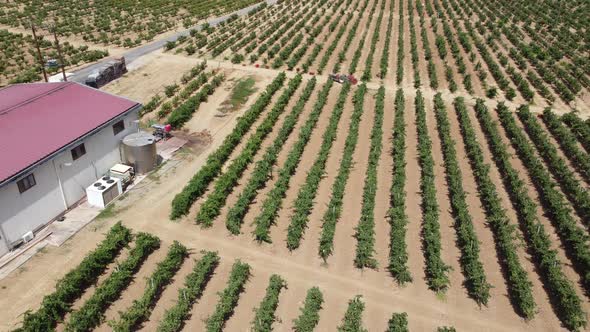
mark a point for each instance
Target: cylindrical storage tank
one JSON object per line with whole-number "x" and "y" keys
{"x": 139, "y": 150}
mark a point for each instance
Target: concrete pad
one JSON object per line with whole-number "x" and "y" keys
{"x": 166, "y": 148}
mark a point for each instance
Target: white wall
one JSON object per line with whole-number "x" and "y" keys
{"x": 102, "y": 152}
{"x": 20, "y": 213}
{"x": 24, "y": 212}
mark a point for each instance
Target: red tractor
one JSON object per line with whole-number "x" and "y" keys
{"x": 342, "y": 78}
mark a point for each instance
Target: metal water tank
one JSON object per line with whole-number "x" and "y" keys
{"x": 139, "y": 150}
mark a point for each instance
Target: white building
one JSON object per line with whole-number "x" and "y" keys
{"x": 56, "y": 139}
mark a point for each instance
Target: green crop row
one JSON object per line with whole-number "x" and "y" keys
{"x": 303, "y": 204}
{"x": 436, "y": 270}
{"x": 199, "y": 182}
{"x": 228, "y": 298}
{"x": 310, "y": 312}
{"x": 194, "y": 285}
{"x": 567, "y": 304}
{"x": 475, "y": 279}
{"x": 349, "y": 37}
{"x": 359, "y": 50}
{"x": 398, "y": 251}
{"x": 188, "y": 90}
{"x": 353, "y": 317}
{"x": 263, "y": 221}
{"x": 519, "y": 284}
{"x": 225, "y": 184}
{"x": 574, "y": 238}
{"x": 580, "y": 129}
{"x": 184, "y": 112}
{"x": 263, "y": 168}
{"x": 399, "y": 73}
{"x": 413, "y": 44}
{"x": 365, "y": 231}
{"x": 264, "y": 315}
{"x": 334, "y": 208}
{"x": 324, "y": 60}
{"x": 571, "y": 186}
{"x": 315, "y": 31}
{"x": 427, "y": 51}
{"x": 55, "y": 305}
{"x": 141, "y": 309}
{"x": 91, "y": 314}
{"x": 374, "y": 39}
{"x": 274, "y": 199}
{"x": 567, "y": 141}
{"x": 385, "y": 53}
{"x": 398, "y": 323}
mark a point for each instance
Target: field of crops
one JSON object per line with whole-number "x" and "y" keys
{"x": 121, "y": 23}
{"x": 19, "y": 62}
{"x": 521, "y": 51}
{"x": 443, "y": 203}
{"x": 448, "y": 189}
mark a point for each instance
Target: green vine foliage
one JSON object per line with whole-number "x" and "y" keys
{"x": 398, "y": 323}
{"x": 228, "y": 298}
{"x": 436, "y": 270}
{"x": 310, "y": 312}
{"x": 194, "y": 285}
{"x": 365, "y": 231}
{"x": 55, "y": 305}
{"x": 141, "y": 308}
{"x": 580, "y": 160}
{"x": 200, "y": 181}
{"x": 274, "y": 199}
{"x": 398, "y": 251}
{"x": 353, "y": 318}
{"x": 475, "y": 278}
{"x": 334, "y": 210}
{"x": 224, "y": 185}
{"x": 574, "y": 237}
{"x": 567, "y": 303}
{"x": 519, "y": 284}
{"x": 304, "y": 202}
{"x": 264, "y": 315}
{"x": 91, "y": 314}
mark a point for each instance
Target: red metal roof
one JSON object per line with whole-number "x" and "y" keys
{"x": 38, "y": 119}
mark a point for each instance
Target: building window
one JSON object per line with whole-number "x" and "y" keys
{"x": 118, "y": 127}
{"x": 26, "y": 183}
{"x": 78, "y": 151}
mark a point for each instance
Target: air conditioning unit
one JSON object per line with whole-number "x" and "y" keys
{"x": 28, "y": 237}
{"x": 103, "y": 191}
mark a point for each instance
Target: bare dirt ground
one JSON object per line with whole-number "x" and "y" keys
{"x": 302, "y": 268}
{"x": 153, "y": 73}
{"x": 147, "y": 209}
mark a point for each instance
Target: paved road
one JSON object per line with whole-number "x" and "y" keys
{"x": 130, "y": 56}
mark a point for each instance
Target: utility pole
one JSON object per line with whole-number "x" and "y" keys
{"x": 61, "y": 57}
{"x": 38, "y": 51}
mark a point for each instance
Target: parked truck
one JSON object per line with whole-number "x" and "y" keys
{"x": 111, "y": 70}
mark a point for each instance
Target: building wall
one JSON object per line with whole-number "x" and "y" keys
{"x": 102, "y": 152}
{"x": 20, "y": 213}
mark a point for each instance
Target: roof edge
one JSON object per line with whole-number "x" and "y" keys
{"x": 49, "y": 156}
{"x": 58, "y": 86}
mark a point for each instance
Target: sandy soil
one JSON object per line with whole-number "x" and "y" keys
{"x": 154, "y": 72}
{"x": 392, "y": 57}
{"x": 345, "y": 67}
{"x": 443, "y": 84}
{"x": 360, "y": 68}
{"x": 303, "y": 269}
{"x": 321, "y": 39}
{"x": 148, "y": 210}
{"x": 549, "y": 229}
